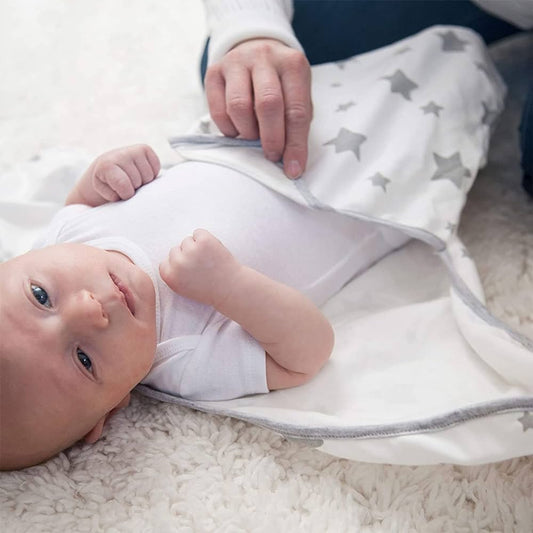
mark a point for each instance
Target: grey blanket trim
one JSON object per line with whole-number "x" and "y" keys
{"x": 479, "y": 309}
{"x": 377, "y": 431}
{"x": 211, "y": 141}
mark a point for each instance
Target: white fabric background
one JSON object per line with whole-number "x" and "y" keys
{"x": 94, "y": 75}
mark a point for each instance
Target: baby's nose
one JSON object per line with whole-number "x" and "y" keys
{"x": 87, "y": 311}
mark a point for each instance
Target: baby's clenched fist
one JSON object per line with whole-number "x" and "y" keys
{"x": 200, "y": 268}
{"x": 117, "y": 174}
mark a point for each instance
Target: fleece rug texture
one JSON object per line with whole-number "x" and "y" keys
{"x": 80, "y": 78}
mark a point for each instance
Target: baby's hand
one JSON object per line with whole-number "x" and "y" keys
{"x": 200, "y": 268}
{"x": 117, "y": 174}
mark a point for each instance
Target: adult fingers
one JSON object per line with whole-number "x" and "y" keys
{"x": 239, "y": 101}
{"x": 215, "y": 91}
{"x": 296, "y": 84}
{"x": 268, "y": 98}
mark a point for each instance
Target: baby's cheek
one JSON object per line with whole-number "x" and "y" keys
{"x": 146, "y": 353}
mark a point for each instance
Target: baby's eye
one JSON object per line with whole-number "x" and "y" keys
{"x": 84, "y": 359}
{"x": 41, "y": 295}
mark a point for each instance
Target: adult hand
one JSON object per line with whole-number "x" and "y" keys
{"x": 262, "y": 89}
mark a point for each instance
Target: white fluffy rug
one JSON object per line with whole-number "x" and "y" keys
{"x": 95, "y": 75}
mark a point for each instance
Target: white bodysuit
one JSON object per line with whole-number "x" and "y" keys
{"x": 201, "y": 354}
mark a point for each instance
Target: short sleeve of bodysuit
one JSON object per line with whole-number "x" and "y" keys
{"x": 221, "y": 363}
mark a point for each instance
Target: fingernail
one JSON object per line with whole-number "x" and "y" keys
{"x": 273, "y": 156}
{"x": 294, "y": 170}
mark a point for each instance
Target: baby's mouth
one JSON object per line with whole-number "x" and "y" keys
{"x": 128, "y": 297}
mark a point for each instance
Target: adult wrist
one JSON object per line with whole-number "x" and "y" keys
{"x": 230, "y": 23}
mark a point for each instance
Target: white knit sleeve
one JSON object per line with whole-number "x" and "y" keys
{"x": 517, "y": 12}
{"x": 231, "y": 21}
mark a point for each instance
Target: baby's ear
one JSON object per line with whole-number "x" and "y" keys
{"x": 96, "y": 432}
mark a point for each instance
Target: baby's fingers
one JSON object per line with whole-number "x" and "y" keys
{"x": 166, "y": 271}
{"x": 133, "y": 173}
{"x": 106, "y": 191}
{"x": 147, "y": 164}
{"x": 172, "y": 270}
{"x": 188, "y": 245}
{"x": 115, "y": 179}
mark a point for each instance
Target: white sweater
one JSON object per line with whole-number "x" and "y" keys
{"x": 232, "y": 21}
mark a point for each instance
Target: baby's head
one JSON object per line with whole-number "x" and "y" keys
{"x": 77, "y": 333}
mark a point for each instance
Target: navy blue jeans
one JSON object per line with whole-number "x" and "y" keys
{"x": 330, "y": 30}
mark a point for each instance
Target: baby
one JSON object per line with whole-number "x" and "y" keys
{"x": 123, "y": 288}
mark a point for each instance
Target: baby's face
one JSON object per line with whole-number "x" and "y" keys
{"x": 80, "y": 323}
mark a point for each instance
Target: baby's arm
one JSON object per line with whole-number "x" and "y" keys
{"x": 296, "y": 336}
{"x": 115, "y": 175}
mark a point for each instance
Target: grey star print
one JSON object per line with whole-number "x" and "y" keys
{"x": 379, "y": 180}
{"x": 400, "y": 83}
{"x": 432, "y": 107}
{"x": 489, "y": 115}
{"x": 344, "y": 107}
{"x": 450, "y": 168}
{"x": 526, "y": 420}
{"x": 489, "y": 71}
{"x": 347, "y": 141}
{"x": 452, "y": 43}
{"x": 451, "y": 227}
{"x": 483, "y": 67}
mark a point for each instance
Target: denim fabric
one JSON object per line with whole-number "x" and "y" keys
{"x": 526, "y": 142}
{"x": 330, "y": 30}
